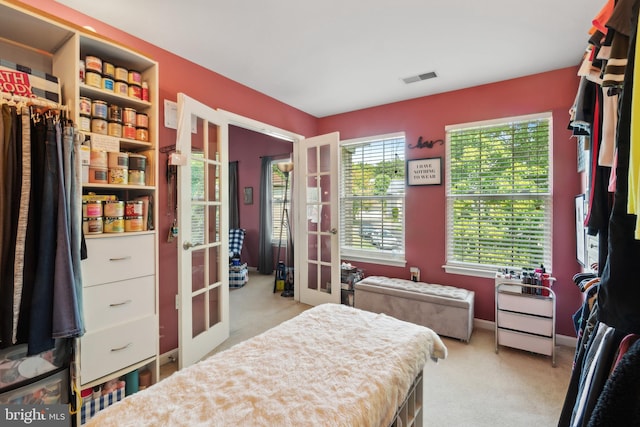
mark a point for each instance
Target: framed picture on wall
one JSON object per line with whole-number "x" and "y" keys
{"x": 248, "y": 195}
{"x": 581, "y": 231}
{"x": 424, "y": 171}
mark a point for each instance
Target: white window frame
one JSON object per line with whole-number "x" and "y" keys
{"x": 275, "y": 233}
{"x": 479, "y": 270}
{"x": 394, "y": 257}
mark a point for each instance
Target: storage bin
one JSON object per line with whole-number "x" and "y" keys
{"x": 238, "y": 275}
{"x": 17, "y": 368}
{"x": 47, "y": 391}
{"x": 91, "y": 407}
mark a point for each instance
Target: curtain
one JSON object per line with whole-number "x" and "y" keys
{"x": 234, "y": 205}
{"x": 290, "y": 251}
{"x": 265, "y": 262}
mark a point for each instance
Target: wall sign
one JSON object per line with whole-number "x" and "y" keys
{"x": 424, "y": 171}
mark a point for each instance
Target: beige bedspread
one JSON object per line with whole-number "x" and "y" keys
{"x": 332, "y": 365}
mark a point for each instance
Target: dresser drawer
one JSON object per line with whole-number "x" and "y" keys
{"x": 530, "y": 304}
{"x": 118, "y": 258}
{"x": 522, "y": 322}
{"x": 533, "y": 343}
{"x": 113, "y": 303}
{"x": 109, "y": 350}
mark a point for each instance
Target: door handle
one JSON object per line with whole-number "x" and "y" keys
{"x": 333, "y": 231}
{"x": 189, "y": 245}
{"x": 118, "y": 304}
{"x": 124, "y": 347}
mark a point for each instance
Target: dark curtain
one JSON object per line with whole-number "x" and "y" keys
{"x": 265, "y": 262}
{"x": 234, "y": 204}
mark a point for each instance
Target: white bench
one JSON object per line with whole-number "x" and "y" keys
{"x": 445, "y": 309}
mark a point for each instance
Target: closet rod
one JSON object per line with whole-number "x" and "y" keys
{"x": 27, "y": 47}
{"x": 32, "y": 101}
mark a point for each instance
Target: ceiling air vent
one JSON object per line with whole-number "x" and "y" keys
{"x": 419, "y": 77}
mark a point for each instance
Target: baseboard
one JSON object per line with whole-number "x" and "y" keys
{"x": 484, "y": 324}
{"x": 564, "y": 340}
{"x": 169, "y": 357}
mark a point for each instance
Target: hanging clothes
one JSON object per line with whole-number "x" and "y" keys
{"x": 73, "y": 183}
{"x": 619, "y": 293}
{"x": 23, "y": 217}
{"x": 40, "y": 194}
{"x": 66, "y": 314}
{"x": 54, "y": 307}
{"x": 596, "y": 368}
{"x": 619, "y": 402}
{"x": 12, "y": 143}
{"x": 32, "y": 238}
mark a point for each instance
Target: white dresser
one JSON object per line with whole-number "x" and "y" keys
{"x": 525, "y": 321}
{"x": 119, "y": 305}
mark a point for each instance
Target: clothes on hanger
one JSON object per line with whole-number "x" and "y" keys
{"x": 40, "y": 277}
{"x": 603, "y": 389}
{"x": 619, "y": 402}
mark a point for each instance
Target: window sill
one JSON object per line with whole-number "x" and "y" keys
{"x": 470, "y": 271}
{"x": 373, "y": 259}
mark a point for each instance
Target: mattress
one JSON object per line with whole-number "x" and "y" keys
{"x": 332, "y": 365}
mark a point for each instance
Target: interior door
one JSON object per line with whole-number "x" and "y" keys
{"x": 318, "y": 262}
{"x": 203, "y": 224}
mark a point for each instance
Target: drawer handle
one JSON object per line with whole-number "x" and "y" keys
{"x": 124, "y": 347}
{"x": 118, "y": 304}
{"x": 120, "y": 259}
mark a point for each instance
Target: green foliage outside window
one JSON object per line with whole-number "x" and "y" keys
{"x": 499, "y": 194}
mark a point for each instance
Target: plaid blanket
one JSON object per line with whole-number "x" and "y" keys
{"x": 236, "y": 239}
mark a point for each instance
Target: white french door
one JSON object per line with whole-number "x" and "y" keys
{"x": 317, "y": 260}
{"x": 203, "y": 224}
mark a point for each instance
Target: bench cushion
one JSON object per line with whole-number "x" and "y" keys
{"x": 440, "y": 294}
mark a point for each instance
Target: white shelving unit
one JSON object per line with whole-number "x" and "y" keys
{"x": 120, "y": 276}
{"x": 525, "y": 321}
{"x": 410, "y": 413}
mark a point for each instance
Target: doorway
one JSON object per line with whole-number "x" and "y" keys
{"x": 249, "y": 141}
{"x": 248, "y": 147}
{"x": 318, "y": 262}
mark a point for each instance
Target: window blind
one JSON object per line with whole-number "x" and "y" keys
{"x": 499, "y": 206}
{"x": 279, "y": 186}
{"x": 372, "y": 188}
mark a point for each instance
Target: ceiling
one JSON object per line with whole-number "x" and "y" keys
{"x": 327, "y": 57}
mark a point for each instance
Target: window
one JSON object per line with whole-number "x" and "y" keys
{"x": 499, "y": 205}
{"x": 279, "y": 185}
{"x": 372, "y": 198}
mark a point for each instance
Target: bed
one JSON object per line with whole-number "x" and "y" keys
{"x": 332, "y": 365}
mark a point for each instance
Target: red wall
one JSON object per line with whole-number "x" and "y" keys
{"x": 424, "y": 117}
{"x": 425, "y": 213}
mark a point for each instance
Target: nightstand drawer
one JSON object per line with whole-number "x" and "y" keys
{"x": 112, "y": 349}
{"x": 524, "y": 323}
{"x": 522, "y": 341}
{"x": 118, "y": 258}
{"x": 113, "y": 303}
{"x": 530, "y": 304}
